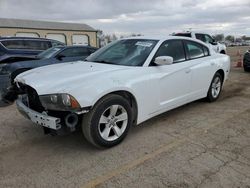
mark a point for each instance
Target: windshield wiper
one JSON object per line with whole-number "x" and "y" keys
{"x": 106, "y": 62}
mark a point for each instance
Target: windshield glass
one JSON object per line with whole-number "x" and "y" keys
{"x": 49, "y": 53}
{"x": 128, "y": 52}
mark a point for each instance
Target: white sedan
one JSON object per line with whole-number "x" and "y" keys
{"x": 124, "y": 83}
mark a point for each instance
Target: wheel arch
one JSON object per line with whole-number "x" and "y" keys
{"x": 223, "y": 52}
{"x": 127, "y": 95}
{"x": 222, "y": 73}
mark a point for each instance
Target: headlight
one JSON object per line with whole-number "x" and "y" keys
{"x": 59, "y": 102}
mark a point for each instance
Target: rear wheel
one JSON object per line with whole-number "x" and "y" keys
{"x": 215, "y": 88}
{"x": 108, "y": 123}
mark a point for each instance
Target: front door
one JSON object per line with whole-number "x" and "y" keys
{"x": 174, "y": 81}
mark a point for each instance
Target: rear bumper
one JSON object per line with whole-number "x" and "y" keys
{"x": 41, "y": 119}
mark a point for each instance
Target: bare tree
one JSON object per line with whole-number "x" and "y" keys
{"x": 219, "y": 37}
{"x": 230, "y": 38}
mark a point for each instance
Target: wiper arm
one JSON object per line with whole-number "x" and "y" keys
{"x": 103, "y": 61}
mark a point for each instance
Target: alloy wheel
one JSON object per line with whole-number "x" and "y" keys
{"x": 113, "y": 122}
{"x": 216, "y": 87}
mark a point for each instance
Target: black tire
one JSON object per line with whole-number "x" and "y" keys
{"x": 210, "y": 97}
{"x": 90, "y": 123}
{"x": 246, "y": 69}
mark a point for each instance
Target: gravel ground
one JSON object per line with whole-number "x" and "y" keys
{"x": 198, "y": 145}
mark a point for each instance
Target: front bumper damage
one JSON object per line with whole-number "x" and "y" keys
{"x": 41, "y": 119}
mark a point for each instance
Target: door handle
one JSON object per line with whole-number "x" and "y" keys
{"x": 188, "y": 71}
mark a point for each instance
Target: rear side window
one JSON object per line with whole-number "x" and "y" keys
{"x": 74, "y": 52}
{"x": 26, "y": 44}
{"x": 173, "y": 48}
{"x": 195, "y": 50}
{"x": 183, "y": 34}
{"x": 36, "y": 44}
{"x": 13, "y": 44}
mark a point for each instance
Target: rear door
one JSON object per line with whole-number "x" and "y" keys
{"x": 202, "y": 67}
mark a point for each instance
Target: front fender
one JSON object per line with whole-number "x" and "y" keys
{"x": 142, "y": 90}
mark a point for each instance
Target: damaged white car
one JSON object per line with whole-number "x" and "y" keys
{"x": 124, "y": 83}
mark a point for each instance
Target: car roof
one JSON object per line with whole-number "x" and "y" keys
{"x": 163, "y": 38}
{"x": 160, "y": 38}
{"x": 28, "y": 38}
{"x": 188, "y": 32}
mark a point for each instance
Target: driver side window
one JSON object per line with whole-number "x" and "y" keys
{"x": 172, "y": 48}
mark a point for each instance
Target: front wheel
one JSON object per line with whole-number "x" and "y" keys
{"x": 107, "y": 124}
{"x": 215, "y": 88}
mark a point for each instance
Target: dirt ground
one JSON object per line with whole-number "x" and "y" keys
{"x": 234, "y": 51}
{"x": 198, "y": 145}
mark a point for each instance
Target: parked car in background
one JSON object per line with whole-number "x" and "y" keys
{"x": 246, "y": 61}
{"x": 123, "y": 83}
{"x": 14, "y": 49}
{"x": 54, "y": 55}
{"x": 216, "y": 46}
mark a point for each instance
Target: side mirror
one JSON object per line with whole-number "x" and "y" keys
{"x": 164, "y": 60}
{"x": 60, "y": 57}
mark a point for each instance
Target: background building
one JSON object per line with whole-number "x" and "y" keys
{"x": 68, "y": 33}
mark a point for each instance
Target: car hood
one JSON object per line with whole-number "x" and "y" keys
{"x": 61, "y": 78}
{"x": 8, "y": 56}
{"x": 25, "y": 64}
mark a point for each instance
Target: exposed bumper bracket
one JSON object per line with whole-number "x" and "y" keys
{"x": 39, "y": 118}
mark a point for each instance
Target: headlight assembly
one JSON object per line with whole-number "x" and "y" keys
{"x": 59, "y": 102}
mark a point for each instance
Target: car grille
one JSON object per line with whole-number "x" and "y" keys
{"x": 33, "y": 100}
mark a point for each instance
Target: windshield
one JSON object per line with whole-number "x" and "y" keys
{"x": 49, "y": 53}
{"x": 128, "y": 52}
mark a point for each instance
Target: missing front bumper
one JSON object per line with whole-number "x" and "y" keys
{"x": 41, "y": 119}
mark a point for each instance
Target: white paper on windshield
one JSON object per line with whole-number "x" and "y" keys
{"x": 144, "y": 44}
